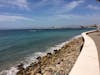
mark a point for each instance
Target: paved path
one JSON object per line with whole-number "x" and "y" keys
{"x": 87, "y": 62}
{"x": 96, "y": 37}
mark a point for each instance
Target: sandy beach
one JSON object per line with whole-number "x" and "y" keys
{"x": 59, "y": 62}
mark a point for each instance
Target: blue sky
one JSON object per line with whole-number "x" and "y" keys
{"x": 48, "y": 13}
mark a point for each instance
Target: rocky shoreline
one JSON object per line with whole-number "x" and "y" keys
{"x": 59, "y": 62}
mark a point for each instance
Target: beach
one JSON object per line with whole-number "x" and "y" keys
{"x": 59, "y": 62}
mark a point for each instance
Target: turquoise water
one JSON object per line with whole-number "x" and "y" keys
{"x": 17, "y": 45}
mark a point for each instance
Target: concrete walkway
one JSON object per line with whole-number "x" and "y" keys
{"x": 96, "y": 37}
{"x": 87, "y": 62}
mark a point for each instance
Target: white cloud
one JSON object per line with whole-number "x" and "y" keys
{"x": 52, "y": 3}
{"x": 16, "y": 3}
{"x": 5, "y": 18}
{"x": 67, "y": 7}
{"x": 93, "y": 7}
{"x": 74, "y": 4}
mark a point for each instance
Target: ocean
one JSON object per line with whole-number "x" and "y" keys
{"x": 23, "y": 46}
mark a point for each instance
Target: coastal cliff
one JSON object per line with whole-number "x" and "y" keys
{"x": 59, "y": 62}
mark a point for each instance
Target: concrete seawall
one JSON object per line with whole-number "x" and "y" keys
{"x": 87, "y": 62}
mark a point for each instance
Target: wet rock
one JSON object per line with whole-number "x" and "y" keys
{"x": 21, "y": 72}
{"x": 55, "y": 51}
{"x": 21, "y": 66}
{"x": 49, "y": 54}
{"x": 38, "y": 58}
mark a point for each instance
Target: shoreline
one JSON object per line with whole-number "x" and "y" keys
{"x": 13, "y": 70}
{"x": 67, "y": 56}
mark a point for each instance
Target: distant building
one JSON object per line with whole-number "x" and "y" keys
{"x": 98, "y": 27}
{"x": 82, "y": 27}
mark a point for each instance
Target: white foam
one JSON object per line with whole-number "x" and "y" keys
{"x": 32, "y": 58}
{"x": 11, "y": 71}
{"x": 59, "y": 46}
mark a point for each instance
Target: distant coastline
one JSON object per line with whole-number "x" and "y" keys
{"x": 48, "y": 28}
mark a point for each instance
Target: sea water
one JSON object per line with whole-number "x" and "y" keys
{"x": 22, "y": 46}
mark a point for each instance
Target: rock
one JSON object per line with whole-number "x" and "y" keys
{"x": 20, "y": 66}
{"x": 38, "y": 74}
{"x": 61, "y": 72}
{"x": 49, "y": 54}
{"x": 38, "y": 58}
{"x": 47, "y": 73}
{"x": 55, "y": 50}
{"x": 21, "y": 72}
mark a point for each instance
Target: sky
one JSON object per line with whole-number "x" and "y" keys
{"x": 15, "y": 14}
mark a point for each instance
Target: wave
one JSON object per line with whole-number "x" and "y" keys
{"x": 11, "y": 71}
{"x": 32, "y": 58}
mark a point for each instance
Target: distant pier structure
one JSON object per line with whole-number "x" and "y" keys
{"x": 98, "y": 27}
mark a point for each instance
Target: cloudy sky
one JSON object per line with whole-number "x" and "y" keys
{"x": 48, "y": 13}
